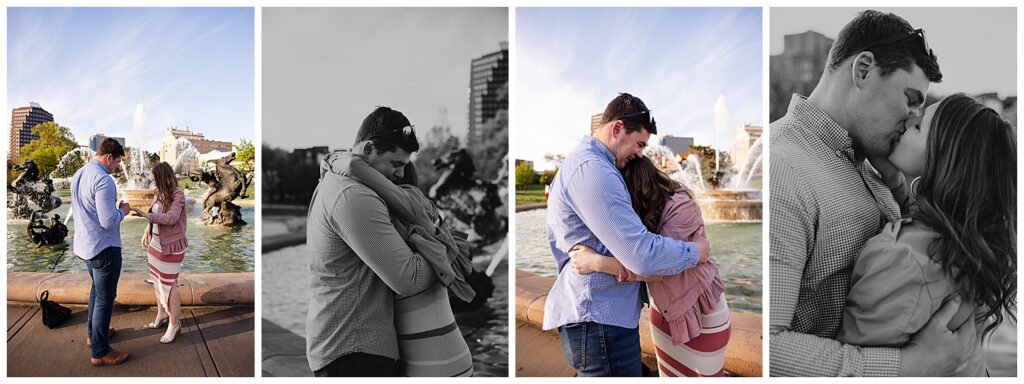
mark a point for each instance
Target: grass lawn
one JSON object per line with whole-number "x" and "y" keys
{"x": 529, "y": 194}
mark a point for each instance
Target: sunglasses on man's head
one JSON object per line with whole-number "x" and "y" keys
{"x": 636, "y": 115}
{"x": 898, "y": 38}
{"x": 406, "y": 130}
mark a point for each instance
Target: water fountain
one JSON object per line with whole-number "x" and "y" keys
{"x": 225, "y": 183}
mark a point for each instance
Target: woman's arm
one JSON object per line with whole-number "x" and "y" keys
{"x": 399, "y": 202}
{"x": 169, "y": 216}
{"x": 585, "y": 261}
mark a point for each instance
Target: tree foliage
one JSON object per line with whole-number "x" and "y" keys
{"x": 525, "y": 175}
{"x": 54, "y": 141}
{"x": 245, "y": 152}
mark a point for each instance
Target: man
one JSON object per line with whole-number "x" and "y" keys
{"x": 589, "y": 205}
{"x": 98, "y": 243}
{"x": 359, "y": 261}
{"x": 826, "y": 201}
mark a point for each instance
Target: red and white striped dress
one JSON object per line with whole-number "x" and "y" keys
{"x": 703, "y": 355}
{"x": 164, "y": 267}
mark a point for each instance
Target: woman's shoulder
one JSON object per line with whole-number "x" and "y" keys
{"x": 901, "y": 247}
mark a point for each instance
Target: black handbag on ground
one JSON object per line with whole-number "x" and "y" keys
{"x": 53, "y": 314}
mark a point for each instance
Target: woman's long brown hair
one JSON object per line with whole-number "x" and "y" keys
{"x": 968, "y": 194}
{"x": 166, "y": 184}
{"x": 649, "y": 189}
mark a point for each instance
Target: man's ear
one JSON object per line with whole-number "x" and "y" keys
{"x": 616, "y": 127}
{"x": 861, "y": 66}
{"x": 368, "y": 148}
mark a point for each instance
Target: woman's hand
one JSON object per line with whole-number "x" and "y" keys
{"x": 586, "y": 261}
{"x": 145, "y": 238}
{"x": 138, "y": 212}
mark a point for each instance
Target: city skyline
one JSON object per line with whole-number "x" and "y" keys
{"x": 323, "y": 75}
{"x": 678, "y": 60}
{"x": 964, "y": 48}
{"x": 135, "y": 72}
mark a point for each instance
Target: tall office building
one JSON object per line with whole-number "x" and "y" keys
{"x": 95, "y": 140}
{"x": 22, "y": 121}
{"x": 489, "y": 73}
{"x": 796, "y": 70}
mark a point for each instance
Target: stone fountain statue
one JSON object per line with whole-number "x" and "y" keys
{"x": 42, "y": 234}
{"x": 225, "y": 183}
{"x": 473, "y": 202}
{"x": 30, "y": 193}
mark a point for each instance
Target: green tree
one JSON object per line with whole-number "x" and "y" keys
{"x": 54, "y": 141}
{"x": 548, "y": 176}
{"x": 245, "y": 152}
{"x": 525, "y": 175}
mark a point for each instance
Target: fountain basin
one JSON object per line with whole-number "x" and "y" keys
{"x": 731, "y": 205}
{"x": 139, "y": 198}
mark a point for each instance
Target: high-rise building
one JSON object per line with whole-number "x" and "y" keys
{"x": 95, "y": 140}
{"x": 595, "y": 122}
{"x": 22, "y": 121}
{"x": 796, "y": 70}
{"x": 746, "y": 136}
{"x": 488, "y": 75}
{"x": 169, "y": 148}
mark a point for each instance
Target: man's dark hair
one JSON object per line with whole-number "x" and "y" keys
{"x": 388, "y": 129}
{"x": 110, "y": 146}
{"x": 872, "y": 26}
{"x": 625, "y": 104}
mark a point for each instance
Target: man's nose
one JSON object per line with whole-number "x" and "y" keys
{"x": 399, "y": 173}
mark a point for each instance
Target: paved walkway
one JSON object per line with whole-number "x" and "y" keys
{"x": 214, "y": 341}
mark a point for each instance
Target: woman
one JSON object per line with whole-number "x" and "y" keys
{"x": 429, "y": 340}
{"x": 689, "y": 315}
{"x": 958, "y": 238}
{"x": 167, "y": 243}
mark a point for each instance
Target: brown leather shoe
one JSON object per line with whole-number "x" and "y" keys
{"x": 114, "y": 357}
{"x": 110, "y": 334}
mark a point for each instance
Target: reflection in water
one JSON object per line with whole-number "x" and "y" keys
{"x": 211, "y": 248}
{"x": 285, "y": 298}
{"x": 736, "y": 247}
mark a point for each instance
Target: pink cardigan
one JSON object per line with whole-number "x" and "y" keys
{"x": 684, "y": 297}
{"x": 172, "y": 223}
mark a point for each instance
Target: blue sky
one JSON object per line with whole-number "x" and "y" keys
{"x": 107, "y": 70}
{"x": 680, "y": 61}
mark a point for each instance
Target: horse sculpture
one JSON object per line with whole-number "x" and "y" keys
{"x": 30, "y": 193}
{"x": 225, "y": 183}
{"x": 473, "y": 202}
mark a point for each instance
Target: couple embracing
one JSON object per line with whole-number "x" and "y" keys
{"x": 893, "y": 224}
{"x": 620, "y": 230}
{"x": 382, "y": 264}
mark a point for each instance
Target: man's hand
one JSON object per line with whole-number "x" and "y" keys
{"x": 125, "y": 208}
{"x": 703, "y": 247}
{"x": 936, "y": 350}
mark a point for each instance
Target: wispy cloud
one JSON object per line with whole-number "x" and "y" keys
{"x": 572, "y": 61}
{"x": 99, "y": 63}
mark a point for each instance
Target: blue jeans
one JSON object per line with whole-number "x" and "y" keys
{"x": 105, "y": 270}
{"x": 601, "y": 350}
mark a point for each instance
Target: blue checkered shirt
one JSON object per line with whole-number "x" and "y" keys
{"x": 589, "y": 205}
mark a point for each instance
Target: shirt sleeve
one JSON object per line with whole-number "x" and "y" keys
{"x": 170, "y": 216}
{"x": 106, "y": 203}
{"x": 885, "y": 292}
{"x": 605, "y": 209}
{"x": 791, "y": 238}
{"x": 363, "y": 220}
{"x": 681, "y": 221}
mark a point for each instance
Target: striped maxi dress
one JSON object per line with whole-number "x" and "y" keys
{"x": 703, "y": 355}
{"x": 164, "y": 267}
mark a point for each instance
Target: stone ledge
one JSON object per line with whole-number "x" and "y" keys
{"x": 197, "y": 289}
{"x": 742, "y": 356}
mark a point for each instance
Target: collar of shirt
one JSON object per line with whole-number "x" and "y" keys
{"x": 598, "y": 147}
{"x": 101, "y": 165}
{"x": 831, "y": 133}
